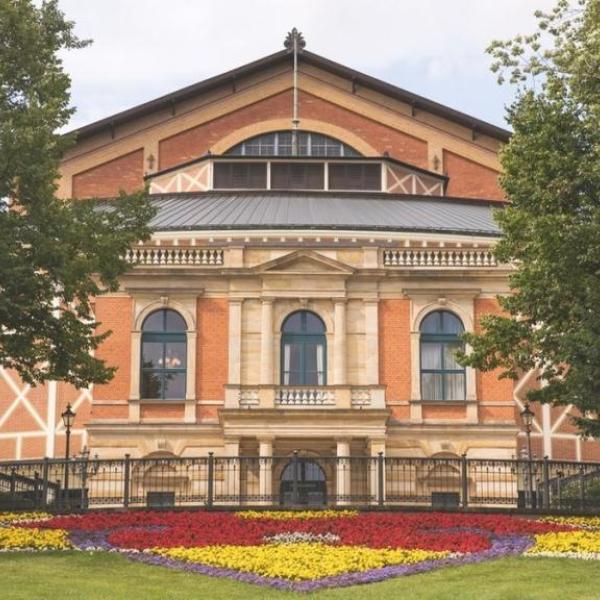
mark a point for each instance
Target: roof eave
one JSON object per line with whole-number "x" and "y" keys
{"x": 389, "y": 89}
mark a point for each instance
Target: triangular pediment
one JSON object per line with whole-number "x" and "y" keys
{"x": 304, "y": 262}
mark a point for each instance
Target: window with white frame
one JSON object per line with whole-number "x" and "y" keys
{"x": 303, "y": 350}
{"x": 163, "y": 356}
{"x": 281, "y": 143}
{"x": 442, "y": 378}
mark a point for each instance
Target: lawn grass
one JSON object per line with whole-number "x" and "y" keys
{"x": 103, "y": 576}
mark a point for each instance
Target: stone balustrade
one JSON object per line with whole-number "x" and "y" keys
{"x": 444, "y": 258}
{"x": 304, "y": 397}
{"x": 174, "y": 256}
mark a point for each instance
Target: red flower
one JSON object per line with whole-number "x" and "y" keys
{"x": 456, "y": 532}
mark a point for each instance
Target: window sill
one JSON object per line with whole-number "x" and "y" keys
{"x": 161, "y": 401}
{"x": 444, "y": 402}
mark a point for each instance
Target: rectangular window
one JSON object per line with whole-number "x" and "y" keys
{"x": 240, "y": 175}
{"x": 352, "y": 176}
{"x": 297, "y": 176}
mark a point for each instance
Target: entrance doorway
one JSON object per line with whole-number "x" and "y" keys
{"x": 303, "y": 482}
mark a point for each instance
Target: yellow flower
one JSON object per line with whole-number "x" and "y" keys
{"x": 298, "y": 562}
{"x": 582, "y": 522}
{"x": 567, "y": 542}
{"x": 8, "y": 518}
{"x": 22, "y": 538}
{"x": 292, "y": 514}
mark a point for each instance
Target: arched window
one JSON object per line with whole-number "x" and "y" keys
{"x": 442, "y": 378}
{"x": 280, "y": 143}
{"x": 164, "y": 355}
{"x": 303, "y": 350}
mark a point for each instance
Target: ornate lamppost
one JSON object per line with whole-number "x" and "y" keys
{"x": 527, "y": 416}
{"x": 68, "y": 417}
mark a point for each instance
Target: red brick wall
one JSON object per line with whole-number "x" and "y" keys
{"x": 394, "y": 348}
{"x": 108, "y": 179}
{"x": 489, "y": 386}
{"x": 212, "y": 348}
{"x": 469, "y": 179}
{"x": 173, "y": 412}
{"x": 439, "y": 411}
{"x": 115, "y": 314}
{"x": 399, "y": 145}
{"x": 8, "y": 449}
{"x": 197, "y": 141}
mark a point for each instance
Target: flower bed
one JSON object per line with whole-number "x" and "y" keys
{"x": 21, "y": 538}
{"x": 299, "y": 561}
{"x": 303, "y": 550}
{"x": 578, "y": 544}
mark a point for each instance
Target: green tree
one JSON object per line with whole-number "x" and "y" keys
{"x": 55, "y": 255}
{"x": 551, "y": 228}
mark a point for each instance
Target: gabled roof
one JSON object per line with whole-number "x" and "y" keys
{"x": 281, "y": 57}
{"x": 211, "y": 211}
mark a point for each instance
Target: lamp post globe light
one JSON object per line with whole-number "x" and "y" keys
{"x": 68, "y": 417}
{"x": 527, "y": 416}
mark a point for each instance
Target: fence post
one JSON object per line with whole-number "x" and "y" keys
{"x": 13, "y": 488}
{"x": 37, "y": 488}
{"x": 45, "y": 473}
{"x": 295, "y": 474}
{"x": 464, "y": 480}
{"x": 211, "y": 469}
{"x": 126, "y": 481}
{"x": 380, "y": 478}
{"x": 581, "y": 488}
{"x": 546, "y": 483}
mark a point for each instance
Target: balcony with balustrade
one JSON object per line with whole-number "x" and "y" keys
{"x": 305, "y": 397}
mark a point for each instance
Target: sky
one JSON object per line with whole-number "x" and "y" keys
{"x": 146, "y": 48}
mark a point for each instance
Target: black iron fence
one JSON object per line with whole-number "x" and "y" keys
{"x": 298, "y": 480}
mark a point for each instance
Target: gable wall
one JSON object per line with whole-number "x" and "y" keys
{"x": 379, "y": 124}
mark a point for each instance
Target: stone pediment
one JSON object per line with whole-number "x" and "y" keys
{"x": 304, "y": 262}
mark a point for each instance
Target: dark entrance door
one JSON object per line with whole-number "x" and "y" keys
{"x": 303, "y": 483}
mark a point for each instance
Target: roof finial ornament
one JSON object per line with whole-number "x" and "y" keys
{"x": 294, "y": 35}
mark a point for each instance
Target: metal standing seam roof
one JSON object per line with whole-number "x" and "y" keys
{"x": 331, "y": 210}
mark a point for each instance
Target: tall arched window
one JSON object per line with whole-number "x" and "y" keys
{"x": 442, "y": 378}
{"x": 280, "y": 143}
{"x": 303, "y": 350}
{"x": 164, "y": 355}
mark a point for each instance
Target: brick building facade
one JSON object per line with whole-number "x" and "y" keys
{"x": 319, "y": 313}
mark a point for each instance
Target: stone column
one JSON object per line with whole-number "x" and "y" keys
{"x": 265, "y": 474}
{"x": 343, "y": 480}
{"x": 266, "y": 343}
{"x": 372, "y": 341}
{"x": 235, "y": 341}
{"x": 339, "y": 342}
{"x": 416, "y": 411}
